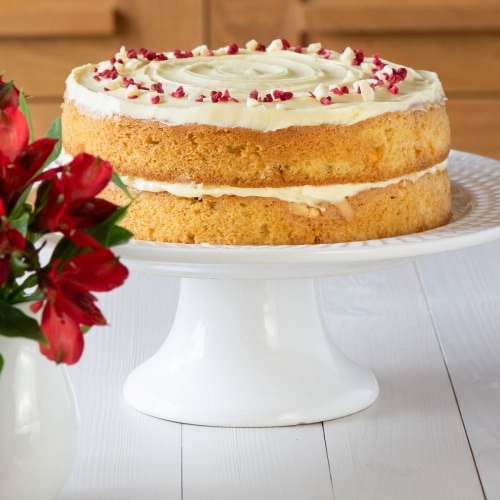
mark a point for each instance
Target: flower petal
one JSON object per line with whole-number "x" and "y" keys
{"x": 98, "y": 270}
{"x": 4, "y": 270}
{"x": 89, "y": 175}
{"x": 79, "y": 238}
{"x": 50, "y": 206}
{"x": 65, "y": 338}
{"x": 14, "y": 132}
{"x": 9, "y": 94}
{"x": 33, "y": 157}
{"x": 89, "y": 212}
{"x": 80, "y": 306}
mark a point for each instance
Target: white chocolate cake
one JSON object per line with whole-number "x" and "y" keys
{"x": 265, "y": 145}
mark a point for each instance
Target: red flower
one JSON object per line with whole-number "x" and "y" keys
{"x": 14, "y": 132}
{"x": 89, "y": 175}
{"x": 10, "y": 241}
{"x": 68, "y": 202}
{"x": 18, "y": 174}
{"x": 69, "y": 303}
{"x": 9, "y": 95}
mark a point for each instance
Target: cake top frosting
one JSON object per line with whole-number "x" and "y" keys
{"x": 258, "y": 87}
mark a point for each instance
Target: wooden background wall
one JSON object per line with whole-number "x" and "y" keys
{"x": 41, "y": 40}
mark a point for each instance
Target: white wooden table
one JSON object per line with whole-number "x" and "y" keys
{"x": 430, "y": 331}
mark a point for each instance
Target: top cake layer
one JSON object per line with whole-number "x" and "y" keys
{"x": 260, "y": 88}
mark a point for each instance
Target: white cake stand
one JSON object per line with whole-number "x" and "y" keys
{"x": 248, "y": 347}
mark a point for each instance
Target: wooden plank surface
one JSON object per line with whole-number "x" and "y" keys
{"x": 41, "y": 65}
{"x": 464, "y": 300}
{"x": 475, "y": 124}
{"x": 123, "y": 453}
{"x": 262, "y": 20}
{"x": 56, "y": 18}
{"x": 411, "y": 442}
{"x": 423, "y": 438}
{"x": 417, "y": 16}
{"x": 261, "y": 463}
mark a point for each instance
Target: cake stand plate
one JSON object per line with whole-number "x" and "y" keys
{"x": 248, "y": 347}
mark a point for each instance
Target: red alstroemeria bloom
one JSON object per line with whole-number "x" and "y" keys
{"x": 10, "y": 241}
{"x": 69, "y": 200}
{"x": 14, "y": 132}
{"x": 89, "y": 175}
{"x": 17, "y": 175}
{"x": 19, "y": 162}
{"x": 69, "y": 303}
{"x": 9, "y": 95}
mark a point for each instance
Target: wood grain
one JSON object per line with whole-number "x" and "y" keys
{"x": 416, "y": 16}
{"x": 262, "y": 20}
{"x": 137, "y": 455}
{"x": 411, "y": 328}
{"x": 393, "y": 449}
{"x": 249, "y": 464}
{"x": 56, "y": 18}
{"x": 475, "y": 124}
{"x": 467, "y": 322}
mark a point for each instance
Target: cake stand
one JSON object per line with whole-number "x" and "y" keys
{"x": 248, "y": 347}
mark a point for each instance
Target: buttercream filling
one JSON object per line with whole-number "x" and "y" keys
{"x": 312, "y": 196}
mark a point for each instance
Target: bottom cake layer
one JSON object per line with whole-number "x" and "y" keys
{"x": 402, "y": 208}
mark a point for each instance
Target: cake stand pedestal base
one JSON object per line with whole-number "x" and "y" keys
{"x": 249, "y": 353}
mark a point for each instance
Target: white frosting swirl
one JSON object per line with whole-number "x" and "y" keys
{"x": 311, "y": 76}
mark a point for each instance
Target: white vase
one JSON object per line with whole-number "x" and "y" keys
{"x": 38, "y": 423}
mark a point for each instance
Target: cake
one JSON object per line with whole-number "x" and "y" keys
{"x": 265, "y": 145}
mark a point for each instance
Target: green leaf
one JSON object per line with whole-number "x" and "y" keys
{"x": 23, "y": 106}
{"x": 54, "y": 132}
{"x": 19, "y": 217}
{"x": 107, "y": 233}
{"x": 119, "y": 236}
{"x": 18, "y": 264}
{"x": 20, "y": 214}
{"x": 14, "y": 323}
{"x": 55, "y": 129}
{"x": 64, "y": 250}
{"x": 1, "y": 363}
{"x": 116, "y": 180}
